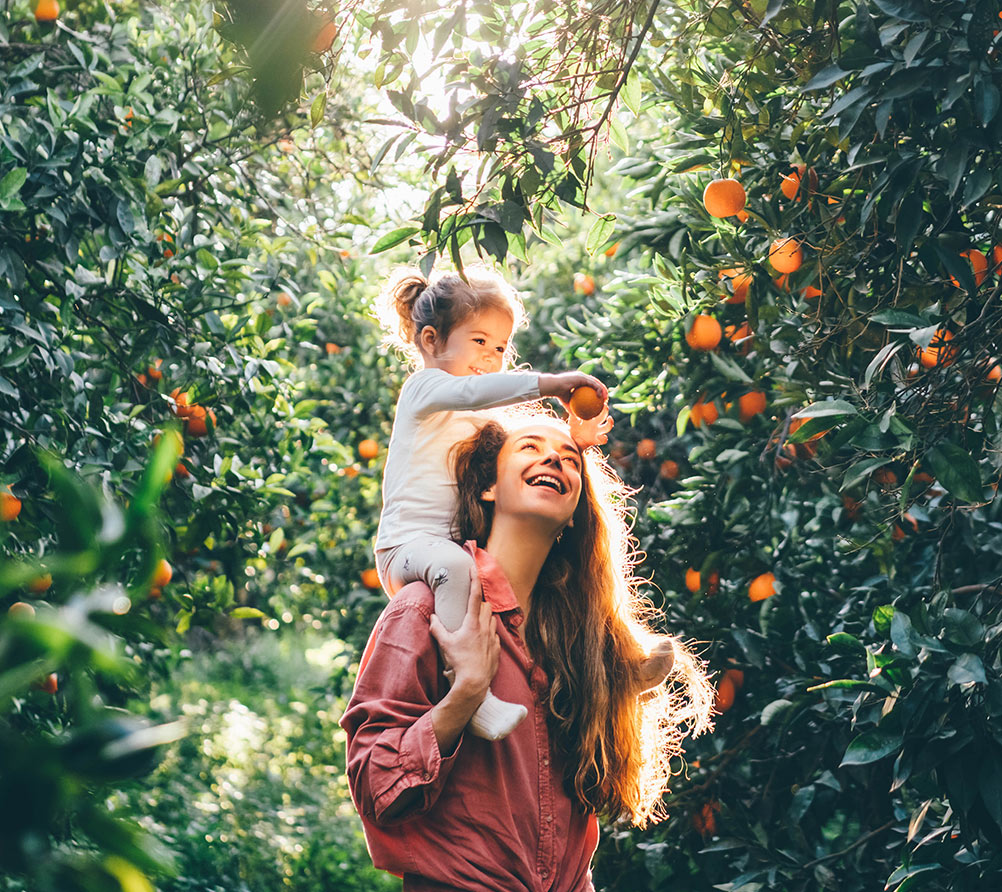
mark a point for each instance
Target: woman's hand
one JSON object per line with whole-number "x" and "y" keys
{"x": 593, "y": 432}
{"x": 471, "y": 655}
{"x": 561, "y": 384}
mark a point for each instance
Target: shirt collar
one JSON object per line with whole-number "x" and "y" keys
{"x": 497, "y": 590}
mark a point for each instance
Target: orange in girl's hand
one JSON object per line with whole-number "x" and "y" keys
{"x": 586, "y": 403}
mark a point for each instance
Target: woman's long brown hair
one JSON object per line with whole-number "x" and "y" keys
{"x": 589, "y": 629}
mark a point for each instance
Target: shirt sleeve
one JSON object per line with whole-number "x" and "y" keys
{"x": 433, "y": 390}
{"x": 391, "y": 742}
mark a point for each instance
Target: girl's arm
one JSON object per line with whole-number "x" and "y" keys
{"x": 433, "y": 390}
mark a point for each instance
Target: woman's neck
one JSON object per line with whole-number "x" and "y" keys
{"x": 520, "y": 548}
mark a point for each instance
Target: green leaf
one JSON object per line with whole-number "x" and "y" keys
{"x": 871, "y": 746}
{"x": 956, "y": 470}
{"x": 773, "y": 710}
{"x": 827, "y": 76}
{"x": 600, "y": 233}
{"x": 631, "y": 93}
{"x": 826, "y": 409}
{"x": 882, "y": 617}
{"x": 392, "y": 239}
{"x": 771, "y": 11}
{"x": 247, "y": 613}
{"x": 318, "y": 108}
{"x": 846, "y": 643}
{"x": 968, "y": 668}
{"x": 11, "y": 184}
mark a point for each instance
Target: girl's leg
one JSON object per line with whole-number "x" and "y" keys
{"x": 451, "y": 573}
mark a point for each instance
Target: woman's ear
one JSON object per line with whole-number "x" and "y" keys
{"x": 427, "y": 340}
{"x": 487, "y": 495}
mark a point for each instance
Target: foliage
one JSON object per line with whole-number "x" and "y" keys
{"x": 255, "y": 797}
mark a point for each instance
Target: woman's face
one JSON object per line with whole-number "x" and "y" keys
{"x": 539, "y": 475}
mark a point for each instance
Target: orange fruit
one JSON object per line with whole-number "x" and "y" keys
{"x": 725, "y": 695}
{"x": 762, "y": 586}
{"x": 611, "y": 250}
{"x": 692, "y": 580}
{"x": 324, "y": 39}
{"x": 162, "y": 574}
{"x": 283, "y": 299}
{"x": 370, "y": 578}
{"x": 21, "y": 610}
{"x": 852, "y": 507}
{"x": 197, "y": 422}
{"x": 669, "y": 469}
{"x": 51, "y": 683}
{"x": 979, "y": 266}
{"x": 797, "y": 423}
{"x": 332, "y": 348}
{"x": 997, "y": 259}
{"x": 181, "y": 407}
{"x": 751, "y": 404}
{"x": 47, "y": 11}
{"x": 586, "y": 403}
{"x": 786, "y": 255}
{"x": 724, "y": 198}
{"x": 704, "y": 334}
{"x": 937, "y": 353}
{"x": 10, "y": 506}
{"x": 154, "y": 370}
{"x": 705, "y": 821}
{"x": 647, "y": 448}
{"x": 885, "y": 477}
{"x": 368, "y": 449}
{"x": 790, "y": 185}
{"x": 740, "y": 333}
{"x": 810, "y": 292}
{"x": 740, "y": 283}
{"x": 703, "y": 412}
{"x": 584, "y": 284}
{"x": 181, "y": 471}
{"x": 737, "y": 678}
{"x": 40, "y": 583}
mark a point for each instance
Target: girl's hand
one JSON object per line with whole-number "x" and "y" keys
{"x": 593, "y": 432}
{"x": 561, "y": 385}
{"x": 471, "y": 653}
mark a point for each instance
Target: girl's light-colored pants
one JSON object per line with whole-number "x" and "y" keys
{"x": 447, "y": 569}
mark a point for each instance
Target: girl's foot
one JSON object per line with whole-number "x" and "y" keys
{"x": 495, "y": 719}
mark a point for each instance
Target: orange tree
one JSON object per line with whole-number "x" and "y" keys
{"x": 843, "y": 436}
{"x": 159, "y": 250}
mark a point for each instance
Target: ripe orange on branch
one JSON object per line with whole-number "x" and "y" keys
{"x": 197, "y": 421}
{"x": 704, "y": 334}
{"x": 724, "y": 198}
{"x": 584, "y": 284}
{"x": 740, "y": 283}
{"x": 47, "y": 11}
{"x": 370, "y": 578}
{"x": 703, "y": 413}
{"x": 762, "y": 586}
{"x": 324, "y": 39}
{"x": 647, "y": 448}
{"x": 979, "y": 266}
{"x": 669, "y": 469}
{"x": 938, "y": 352}
{"x": 10, "y": 506}
{"x": 786, "y": 255}
{"x": 368, "y": 449}
{"x": 586, "y": 403}
{"x": 751, "y": 404}
{"x": 162, "y": 574}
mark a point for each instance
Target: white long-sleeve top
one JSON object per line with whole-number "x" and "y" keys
{"x": 434, "y": 412}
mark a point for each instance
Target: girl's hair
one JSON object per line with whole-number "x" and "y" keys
{"x": 409, "y": 302}
{"x": 589, "y": 629}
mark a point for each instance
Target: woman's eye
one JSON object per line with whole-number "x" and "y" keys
{"x": 528, "y": 446}
{"x": 500, "y": 350}
{"x": 479, "y": 341}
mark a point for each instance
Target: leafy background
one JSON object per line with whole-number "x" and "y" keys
{"x": 191, "y": 208}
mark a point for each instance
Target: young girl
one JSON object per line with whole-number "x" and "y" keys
{"x": 458, "y": 333}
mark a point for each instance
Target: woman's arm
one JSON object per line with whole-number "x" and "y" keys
{"x": 402, "y": 740}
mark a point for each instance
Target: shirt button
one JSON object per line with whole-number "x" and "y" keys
{"x": 546, "y": 761}
{"x": 549, "y": 818}
{"x": 426, "y": 776}
{"x": 544, "y": 873}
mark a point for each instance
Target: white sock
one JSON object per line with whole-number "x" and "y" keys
{"x": 495, "y": 719}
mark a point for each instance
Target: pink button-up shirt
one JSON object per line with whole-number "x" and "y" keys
{"x": 491, "y": 817}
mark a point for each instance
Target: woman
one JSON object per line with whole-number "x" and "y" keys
{"x": 561, "y": 631}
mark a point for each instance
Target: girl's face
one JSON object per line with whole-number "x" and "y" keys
{"x": 539, "y": 476}
{"x": 475, "y": 346}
